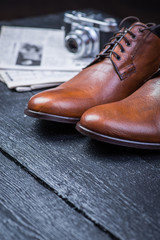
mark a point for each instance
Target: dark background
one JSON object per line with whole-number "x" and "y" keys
{"x": 147, "y": 11}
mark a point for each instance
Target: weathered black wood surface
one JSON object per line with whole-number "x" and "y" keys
{"x": 115, "y": 188}
{"x": 28, "y": 210}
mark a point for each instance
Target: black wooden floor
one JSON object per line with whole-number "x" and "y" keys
{"x": 57, "y": 184}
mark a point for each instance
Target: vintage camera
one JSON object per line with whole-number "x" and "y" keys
{"x": 86, "y": 34}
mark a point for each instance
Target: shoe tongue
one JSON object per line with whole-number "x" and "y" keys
{"x": 156, "y": 30}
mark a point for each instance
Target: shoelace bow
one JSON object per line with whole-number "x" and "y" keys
{"x": 119, "y": 35}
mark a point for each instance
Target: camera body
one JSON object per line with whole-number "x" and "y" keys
{"x": 86, "y": 34}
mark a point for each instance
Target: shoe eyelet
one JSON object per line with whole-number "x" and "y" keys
{"x": 134, "y": 36}
{"x": 128, "y": 44}
{"x": 118, "y": 58}
{"x": 122, "y": 50}
{"x": 140, "y": 30}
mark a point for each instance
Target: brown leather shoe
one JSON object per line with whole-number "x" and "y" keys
{"x": 130, "y": 59}
{"x": 133, "y": 121}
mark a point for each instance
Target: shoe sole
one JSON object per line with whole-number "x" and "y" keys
{"x": 50, "y": 117}
{"x": 116, "y": 141}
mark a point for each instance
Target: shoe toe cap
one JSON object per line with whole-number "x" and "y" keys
{"x": 94, "y": 119}
{"x": 121, "y": 121}
{"x": 39, "y": 102}
{"x": 110, "y": 120}
{"x": 60, "y": 102}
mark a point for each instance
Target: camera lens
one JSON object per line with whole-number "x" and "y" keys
{"x": 72, "y": 45}
{"x": 82, "y": 42}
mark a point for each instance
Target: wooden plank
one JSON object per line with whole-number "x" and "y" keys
{"x": 117, "y": 188}
{"x": 30, "y": 211}
{"x": 112, "y": 186}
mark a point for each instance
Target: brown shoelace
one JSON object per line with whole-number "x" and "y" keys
{"x": 115, "y": 40}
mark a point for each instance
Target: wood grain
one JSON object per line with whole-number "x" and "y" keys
{"x": 114, "y": 187}
{"x": 30, "y": 211}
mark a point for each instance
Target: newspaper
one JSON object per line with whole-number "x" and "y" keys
{"x": 22, "y": 80}
{"x": 36, "y": 56}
